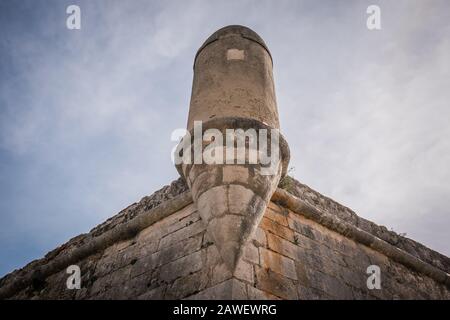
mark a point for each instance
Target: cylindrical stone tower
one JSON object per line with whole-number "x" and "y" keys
{"x": 233, "y": 78}
{"x": 233, "y": 119}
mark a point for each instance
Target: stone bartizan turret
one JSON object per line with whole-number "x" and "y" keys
{"x": 233, "y": 88}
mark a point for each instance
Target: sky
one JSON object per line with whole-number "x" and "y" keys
{"x": 86, "y": 115}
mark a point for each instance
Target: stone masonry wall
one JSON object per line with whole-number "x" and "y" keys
{"x": 290, "y": 257}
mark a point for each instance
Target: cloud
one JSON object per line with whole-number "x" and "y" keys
{"x": 372, "y": 131}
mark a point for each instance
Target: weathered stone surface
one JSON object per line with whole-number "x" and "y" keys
{"x": 186, "y": 286}
{"x": 239, "y": 199}
{"x": 328, "y": 284}
{"x": 206, "y": 180}
{"x": 275, "y": 284}
{"x": 229, "y": 289}
{"x": 272, "y": 227}
{"x": 278, "y": 263}
{"x": 305, "y": 230}
{"x": 309, "y": 293}
{"x": 232, "y": 213}
{"x": 181, "y": 267}
{"x": 277, "y": 216}
{"x": 260, "y": 238}
{"x": 146, "y": 203}
{"x": 208, "y": 208}
{"x": 303, "y": 260}
{"x": 326, "y": 204}
{"x": 284, "y": 247}
{"x": 177, "y": 250}
{"x": 251, "y": 253}
{"x": 244, "y": 271}
{"x": 235, "y": 174}
{"x": 154, "y": 294}
{"x": 215, "y": 267}
{"x": 226, "y": 231}
{"x": 256, "y": 294}
{"x": 181, "y": 234}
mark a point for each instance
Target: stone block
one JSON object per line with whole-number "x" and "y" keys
{"x": 256, "y": 294}
{"x": 277, "y": 208}
{"x": 250, "y": 253}
{"x": 239, "y": 199}
{"x": 205, "y": 181}
{"x": 147, "y": 248}
{"x": 275, "y": 228}
{"x": 276, "y": 216}
{"x": 284, "y": 247}
{"x": 220, "y": 272}
{"x": 302, "y": 276}
{"x": 277, "y": 263}
{"x": 153, "y": 294}
{"x": 329, "y": 284}
{"x": 244, "y": 271}
{"x": 182, "y": 222}
{"x": 185, "y": 286}
{"x": 276, "y": 284}
{"x": 177, "y": 250}
{"x": 213, "y": 203}
{"x": 168, "y": 225}
{"x": 305, "y": 230}
{"x": 181, "y": 234}
{"x": 152, "y": 233}
{"x": 182, "y": 267}
{"x": 330, "y": 254}
{"x": 128, "y": 255}
{"x": 229, "y": 289}
{"x": 140, "y": 284}
{"x": 260, "y": 239}
{"x": 143, "y": 265}
{"x": 107, "y": 264}
{"x": 217, "y": 270}
{"x": 100, "y": 285}
{"x": 308, "y": 293}
{"x": 227, "y": 232}
{"x": 124, "y": 244}
{"x": 197, "y": 170}
{"x": 235, "y": 174}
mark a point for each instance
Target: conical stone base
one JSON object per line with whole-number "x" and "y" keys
{"x": 231, "y": 200}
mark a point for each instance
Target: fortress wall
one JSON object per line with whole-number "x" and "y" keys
{"x": 315, "y": 263}
{"x": 290, "y": 257}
